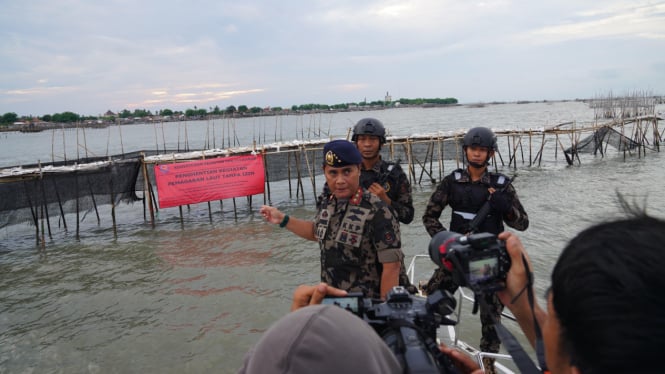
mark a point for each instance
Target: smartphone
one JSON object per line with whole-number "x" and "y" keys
{"x": 352, "y": 302}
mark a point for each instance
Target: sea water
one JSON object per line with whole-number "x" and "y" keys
{"x": 194, "y": 296}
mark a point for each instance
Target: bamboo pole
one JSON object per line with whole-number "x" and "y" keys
{"x": 203, "y": 157}
{"x": 44, "y": 203}
{"x": 115, "y": 226}
{"x": 288, "y": 172}
{"x": 539, "y": 156}
{"x": 310, "y": 170}
{"x": 78, "y": 221}
{"x": 62, "y": 212}
{"x": 530, "y": 145}
{"x": 33, "y": 212}
{"x": 266, "y": 175}
{"x": 298, "y": 175}
{"x": 409, "y": 157}
{"x": 441, "y": 155}
{"x": 147, "y": 189}
{"x": 43, "y": 243}
{"x": 94, "y": 202}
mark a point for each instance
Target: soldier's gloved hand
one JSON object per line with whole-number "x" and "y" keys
{"x": 502, "y": 202}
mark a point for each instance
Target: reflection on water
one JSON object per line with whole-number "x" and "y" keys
{"x": 194, "y": 300}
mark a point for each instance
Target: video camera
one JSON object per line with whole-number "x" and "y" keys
{"x": 407, "y": 324}
{"x": 478, "y": 261}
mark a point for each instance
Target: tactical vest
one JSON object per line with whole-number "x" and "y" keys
{"x": 387, "y": 178}
{"x": 466, "y": 198}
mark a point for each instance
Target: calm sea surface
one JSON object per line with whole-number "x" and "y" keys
{"x": 173, "y": 300}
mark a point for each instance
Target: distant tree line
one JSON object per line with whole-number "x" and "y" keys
{"x": 231, "y": 110}
{"x": 446, "y": 101}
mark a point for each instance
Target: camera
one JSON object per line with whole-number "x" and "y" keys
{"x": 477, "y": 261}
{"x": 407, "y": 324}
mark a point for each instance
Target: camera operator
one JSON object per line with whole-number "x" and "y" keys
{"x": 605, "y": 306}
{"x": 306, "y": 295}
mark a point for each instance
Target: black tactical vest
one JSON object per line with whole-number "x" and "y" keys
{"x": 466, "y": 198}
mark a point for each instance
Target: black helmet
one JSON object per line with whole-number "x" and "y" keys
{"x": 480, "y": 136}
{"x": 369, "y": 126}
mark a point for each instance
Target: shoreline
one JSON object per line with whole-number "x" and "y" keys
{"x": 42, "y": 126}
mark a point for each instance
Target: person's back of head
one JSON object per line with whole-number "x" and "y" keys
{"x": 608, "y": 291}
{"x": 320, "y": 339}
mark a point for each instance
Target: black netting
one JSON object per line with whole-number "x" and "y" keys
{"x": 30, "y": 196}
{"x": 80, "y": 185}
{"x": 595, "y": 142}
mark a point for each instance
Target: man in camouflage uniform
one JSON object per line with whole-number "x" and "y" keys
{"x": 466, "y": 191}
{"x": 385, "y": 179}
{"x": 357, "y": 232}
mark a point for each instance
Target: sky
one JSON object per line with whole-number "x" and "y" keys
{"x": 88, "y": 57}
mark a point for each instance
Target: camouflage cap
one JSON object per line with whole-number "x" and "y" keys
{"x": 322, "y": 339}
{"x": 338, "y": 153}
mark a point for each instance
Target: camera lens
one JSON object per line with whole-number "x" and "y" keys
{"x": 439, "y": 245}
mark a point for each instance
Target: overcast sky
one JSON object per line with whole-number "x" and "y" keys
{"x": 92, "y": 56}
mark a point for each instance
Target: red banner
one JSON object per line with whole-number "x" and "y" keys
{"x": 206, "y": 180}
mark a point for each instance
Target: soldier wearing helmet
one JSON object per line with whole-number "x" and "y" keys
{"x": 369, "y": 126}
{"x": 385, "y": 179}
{"x": 480, "y": 137}
{"x": 382, "y": 178}
{"x": 466, "y": 191}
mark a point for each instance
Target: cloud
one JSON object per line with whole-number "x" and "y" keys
{"x": 119, "y": 54}
{"x": 621, "y": 20}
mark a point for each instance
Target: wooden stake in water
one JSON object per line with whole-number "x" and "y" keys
{"x": 44, "y": 203}
{"x": 146, "y": 189}
{"x": 115, "y": 229}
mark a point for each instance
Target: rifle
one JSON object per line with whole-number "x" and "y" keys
{"x": 390, "y": 169}
{"x": 485, "y": 209}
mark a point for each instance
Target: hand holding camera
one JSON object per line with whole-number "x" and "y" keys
{"x": 312, "y": 295}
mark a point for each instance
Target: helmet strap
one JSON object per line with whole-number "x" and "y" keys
{"x": 477, "y": 165}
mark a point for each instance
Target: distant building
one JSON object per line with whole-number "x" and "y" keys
{"x": 389, "y": 98}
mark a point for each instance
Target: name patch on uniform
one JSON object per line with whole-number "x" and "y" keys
{"x": 323, "y": 222}
{"x": 351, "y": 228}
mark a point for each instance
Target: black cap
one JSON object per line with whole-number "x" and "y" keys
{"x": 338, "y": 153}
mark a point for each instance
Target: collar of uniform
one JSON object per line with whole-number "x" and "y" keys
{"x": 376, "y": 167}
{"x": 357, "y": 197}
{"x": 466, "y": 177}
{"x": 354, "y": 200}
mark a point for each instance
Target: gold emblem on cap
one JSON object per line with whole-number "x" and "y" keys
{"x": 330, "y": 158}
